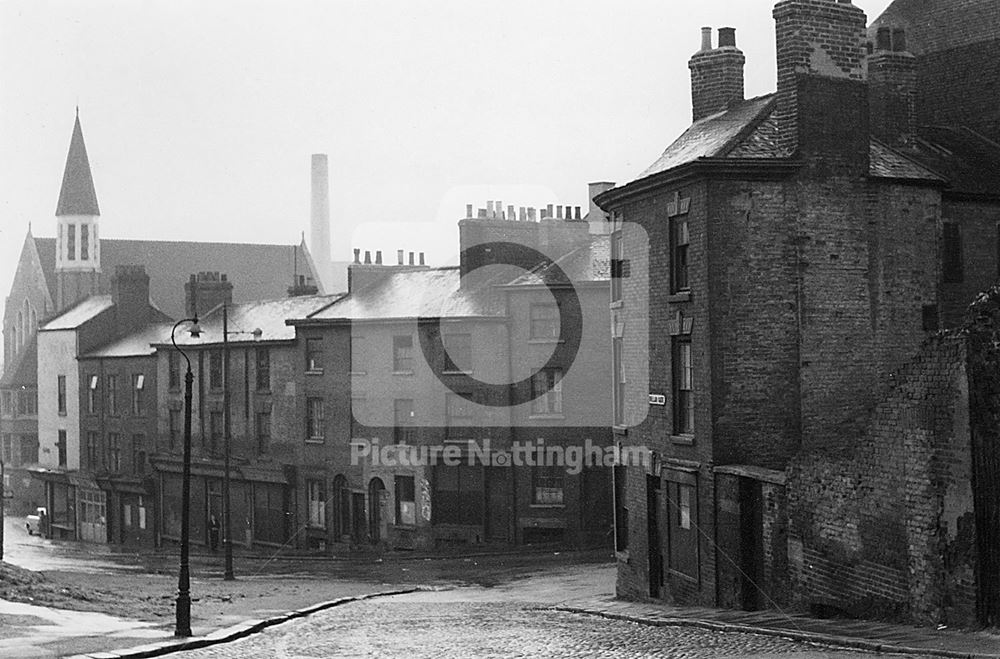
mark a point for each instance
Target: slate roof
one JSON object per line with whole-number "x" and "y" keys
{"x": 137, "y": 344}
{"x": 590, "y": 263}
{"x": 267, "y": 315}
{"x": 888, "y": 163}
{"x": 430, "y": 293}
{"x": 77, "y": 195}
{"x": 79, "y": 313}
{"x": 258, "y": 272}
{"x": 937, "y": 25}
{"x": 969, "y": 161}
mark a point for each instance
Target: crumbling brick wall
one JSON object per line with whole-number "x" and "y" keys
{"x": 883, "y": 528}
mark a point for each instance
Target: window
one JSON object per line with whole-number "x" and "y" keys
{"x": 458, "y": 495}
{"x": 459, "y": 416}
{"x": 173, "y": 370}
{"x": 114, "y": 452}
{"x": 951, "y": 266}
{"x": 317, "y": 504}
{"x": 406, "y": 506}
{"x": 138, "y": 399}
{"x": 314, "y": 418}
{"x": 458, "y": 352}
{"x": 357, "y": 347}
{"x": 263, "y": 369}
{"x": 111, "y": 394}
{"x": 402, "y": 354}
{"x": 263, "y": 432}
{"x": 547, "y": 485}
{"x": 138, "y": 454}
{"x": 617, "y": 264}
{"x": 174, "y": 427}
{"x": 61, "y": 393}
{"x": 7, "y": 458}
{"x": 683, "y": 377}
{"x": 93, "y": 450}
{"x": 7, "y": 403}
{"x": 619, "y": 381}
{"x": 61, "y": 448}
{"x": 215, "y": 428}
{"x": 215, "y": 370}
{"x": 314, "y": 354}
{"x": 27, "y": 402}
{"x": 679, "y": 254}
{"x": 403, "y": 418}
{"x": 71, "y": 242}
{"x": 544, "y": 321}
{"x": 620, "y": 475}
{"x": 92, "y": 394}
{"x": 84, "y": 242}
{"x": 546, "y": 391}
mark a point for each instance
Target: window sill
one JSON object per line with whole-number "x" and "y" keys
{"x": 547, "y": 505}
{"x": 617, "y": 304}
{"x": 683, "y": 439}
{"x": 315, "y": 371}
{"x": 62, "y": 413}
{"x": 619, "y": 430}
{"x": 263, "y": 392}
{"x": 402, "y": 372}
{"x": 551, "y": 417}
{"x": 545, "y": 341}
{"x": 316, "y": 440}
{"x": 469, "y": 372}
{"x": 358, "y": 373}
{"x": 681, "y": 296}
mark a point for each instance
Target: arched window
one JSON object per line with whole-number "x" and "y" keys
{"x": 19, "y": 331}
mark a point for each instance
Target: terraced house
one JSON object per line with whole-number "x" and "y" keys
{"x": 809, "y": 428}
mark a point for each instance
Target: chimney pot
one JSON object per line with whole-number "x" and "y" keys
{"x": 411, "y": 258}
{"x": 522, "y": 214}
{"x": 706, "y": 38}
{"x": 577, "y": 213}
{"x": 558, "y": 212}
{"x": 378, "y": 257}
{"x": 548, "y": 211}
{"x": 510, "y": 213}
{"x": 399, "y": 252}
{"x": 531, "y": 214}
{"x": 368, "y": 256}
{"x": 482, "y": 213}
{"x": 468, "y": 211}
{"x": 357, "y": 255}
{"x": 499, "y": 209}
{"x": 490, "y": 213}
{"x": 421, "y": 258}
{"x": 727, "y": 37}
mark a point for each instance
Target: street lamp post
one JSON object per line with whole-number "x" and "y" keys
{"x": 183, "y": 611}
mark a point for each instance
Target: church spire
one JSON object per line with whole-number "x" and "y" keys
{"x": 77, "y": 196}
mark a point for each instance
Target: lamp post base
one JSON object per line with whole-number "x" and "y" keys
{"x": 183, "y": 628}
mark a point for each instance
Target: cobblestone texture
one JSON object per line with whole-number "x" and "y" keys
{"x": 406, "y": 626}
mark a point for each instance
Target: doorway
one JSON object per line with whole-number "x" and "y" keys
{"x": 375, "y": 489}
{"x": 654, "y": 543}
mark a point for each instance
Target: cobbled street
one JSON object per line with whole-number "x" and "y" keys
{"x": 463, "y": 623}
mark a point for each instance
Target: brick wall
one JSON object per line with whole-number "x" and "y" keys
{"x": 870, "y": 527}
{"x": 960, "y": 86}
{"x": 979, "y": 225}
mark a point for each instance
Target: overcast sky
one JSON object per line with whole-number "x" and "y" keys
{"x": 200, "y": 117}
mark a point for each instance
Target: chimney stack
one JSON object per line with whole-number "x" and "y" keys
{"x": 357, "y": 255}
{"x": 892, "y": 88}
{"x": 368, "y": 257}
{"x": 130, "y": 294}
{"x": 411, "y": 258}
{"x": 320, "y": 218}
{"x": 399, "y": 255}
{"x": 206, "y": 291}
{"x": 716, "y": 74}
{"x": 378, "y": 257}
{"x": 822, "y": 100}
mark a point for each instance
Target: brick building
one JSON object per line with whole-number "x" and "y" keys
{"x": 55, "y": 273}
{"x": 800, "y": 248}
{"x": 407, "y": 357}
{"x": 267, "y": 458}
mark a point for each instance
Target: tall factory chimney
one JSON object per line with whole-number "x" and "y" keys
{"x": 320, "y": 223}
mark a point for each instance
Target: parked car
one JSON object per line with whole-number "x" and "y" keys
{"x": 33, "y": 522}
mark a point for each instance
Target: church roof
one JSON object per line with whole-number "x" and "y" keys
{"x": 258, "y": 272}
{"x": 24, "y": 370}
{"x": 938, "y": 25}
{"x": 77, "y": 195}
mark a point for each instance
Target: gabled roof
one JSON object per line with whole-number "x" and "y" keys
{"x": 268, "y": 316}
{"x": 258, "y": 272}
{"x": 137, "y": 344}
{"x": 888, "y": 163}
{"x": 84, "y": 310}
{"x": 938, "y": 25}
{"x": 77, "y": 195}
{"x": 430, "y": 293}
{"x": 24, "y": 370}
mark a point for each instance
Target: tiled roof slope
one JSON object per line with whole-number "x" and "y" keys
{"x": 268, "y": 316}
{"x": 938, "y": 25}
{"x": 887, "y": 163}
{"x": 969, "y": 161}
{"x": 590, "y": 263}
{"x": 258, "y": 272}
